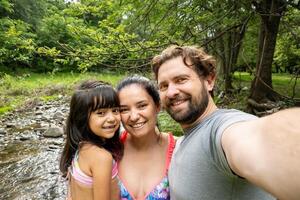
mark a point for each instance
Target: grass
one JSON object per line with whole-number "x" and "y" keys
{"x": 282, "y": 83}
{"x": 16, "y": 91}
{"x": 167, "y": 124}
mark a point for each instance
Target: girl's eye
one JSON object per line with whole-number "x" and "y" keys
{"x": 100, "y": 113}
{"x": 116, "y": 110}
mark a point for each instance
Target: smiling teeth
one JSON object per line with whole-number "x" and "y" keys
{"x": 138, "y": 125}
{"x": 109, "y": 127}
{"x": 177, "y": 103}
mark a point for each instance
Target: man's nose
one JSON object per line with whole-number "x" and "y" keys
{"x": 172, "y": 91}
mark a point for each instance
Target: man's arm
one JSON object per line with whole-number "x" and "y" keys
{"x": 266, "y": 152}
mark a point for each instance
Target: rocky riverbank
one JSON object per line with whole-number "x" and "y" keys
{"x": 31, "y": 139}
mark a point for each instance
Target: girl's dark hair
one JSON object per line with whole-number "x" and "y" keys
{"x": 144, "y": 82}
{"x": 88, "y": 97}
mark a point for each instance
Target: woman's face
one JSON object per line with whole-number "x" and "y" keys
{"x": 138, "y": 110}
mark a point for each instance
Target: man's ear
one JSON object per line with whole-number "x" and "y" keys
{"x": 210, "y": 82}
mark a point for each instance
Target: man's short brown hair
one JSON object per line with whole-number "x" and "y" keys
{"x": 194, "y": 57}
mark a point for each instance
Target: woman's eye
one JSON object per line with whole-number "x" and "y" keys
{"x": 142, "y": 106}
{"x": 123, "y": 110}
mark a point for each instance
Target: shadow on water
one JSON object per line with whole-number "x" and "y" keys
{"x": 29, "y": 170}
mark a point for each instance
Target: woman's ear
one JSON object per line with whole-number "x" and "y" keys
{"x": 158, "y": 108}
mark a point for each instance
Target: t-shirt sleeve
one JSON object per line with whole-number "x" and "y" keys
{"x": 223, "y": 121}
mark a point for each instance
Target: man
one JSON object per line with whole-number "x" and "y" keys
{"x": 224, "y": 154}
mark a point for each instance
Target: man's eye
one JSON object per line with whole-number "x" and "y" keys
{"x": 163, "y": 87}
{"x": 181, "y": 80}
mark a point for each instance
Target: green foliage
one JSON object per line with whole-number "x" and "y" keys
{"x": 49, "y": 98}
{"x": 29, "y": 11}
{"x": 17, "y": 44}
{"x": 95, "y": 35}
{"x": 167, "y": 124}
{"x": 5, "y": 7}
{"x": 283, "y": 84}
{"x": 287, "y": 54}
{"x": 5, "y": 109}
{"x": 6, "y": 81}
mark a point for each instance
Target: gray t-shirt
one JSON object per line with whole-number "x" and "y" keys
{"x": 199, "y": 169}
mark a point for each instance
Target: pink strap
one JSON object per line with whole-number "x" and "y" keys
{"x": 123, "y": 136}
{"x": 79, "y": 175}
{"x": 171, "y": 146}
{"x": 170, "y": 150}
{"x": 114, "y": 172}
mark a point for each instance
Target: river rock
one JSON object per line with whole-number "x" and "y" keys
{"x": 59, "y": 116}
{"x": 24, "y": 137}
{"x": 10, "y": 125}
{"x": 2, "y": 131}
{"x": 53, "y": 146}
{"x": 39, "y": 112}
{"x": 53, "y": 132}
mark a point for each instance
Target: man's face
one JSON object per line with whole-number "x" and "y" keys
{"x": 183, "y": 94}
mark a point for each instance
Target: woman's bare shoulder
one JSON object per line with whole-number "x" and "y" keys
{"x": 166, "y": 135}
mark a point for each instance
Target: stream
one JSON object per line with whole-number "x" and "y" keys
{"x": 31, "y": 140}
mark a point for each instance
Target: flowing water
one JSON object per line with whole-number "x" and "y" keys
{"x": 29, "y": 162}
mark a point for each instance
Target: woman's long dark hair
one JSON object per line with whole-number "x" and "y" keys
{"x": 90, "y": 96}
{"x": 142, "y": 81}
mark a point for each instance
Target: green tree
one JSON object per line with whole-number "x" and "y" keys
{"x": 270, "y": 12}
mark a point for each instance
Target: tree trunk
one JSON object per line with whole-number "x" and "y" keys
{"x": 227, "y": 49}
{"x": 261, "y": 89}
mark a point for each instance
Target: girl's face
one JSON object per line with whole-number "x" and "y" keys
{"x": 138, "y": 110}
{"x": 104, "y": 122}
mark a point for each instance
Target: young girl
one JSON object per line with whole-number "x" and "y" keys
{"x": 92, "y": 149}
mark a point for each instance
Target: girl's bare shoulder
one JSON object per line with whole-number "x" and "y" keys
{"x": 93, "y": 153}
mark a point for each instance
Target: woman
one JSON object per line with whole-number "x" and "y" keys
{"x": 147, "y": 152}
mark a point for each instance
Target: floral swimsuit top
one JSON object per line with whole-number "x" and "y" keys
{"x": 161, "y": 191}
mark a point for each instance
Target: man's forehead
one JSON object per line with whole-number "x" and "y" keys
{"x": 173, "y": 69}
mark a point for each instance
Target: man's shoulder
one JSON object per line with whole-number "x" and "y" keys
{"x": 231, "y": 114}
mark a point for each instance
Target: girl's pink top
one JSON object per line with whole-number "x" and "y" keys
{"x": 81, "y": 177}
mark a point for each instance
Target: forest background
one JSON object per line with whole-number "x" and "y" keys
{"x": 259, "y": 37}
{"x": 48, "y": 46}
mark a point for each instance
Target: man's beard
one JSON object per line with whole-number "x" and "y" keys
{"x": 196, "y": 108}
